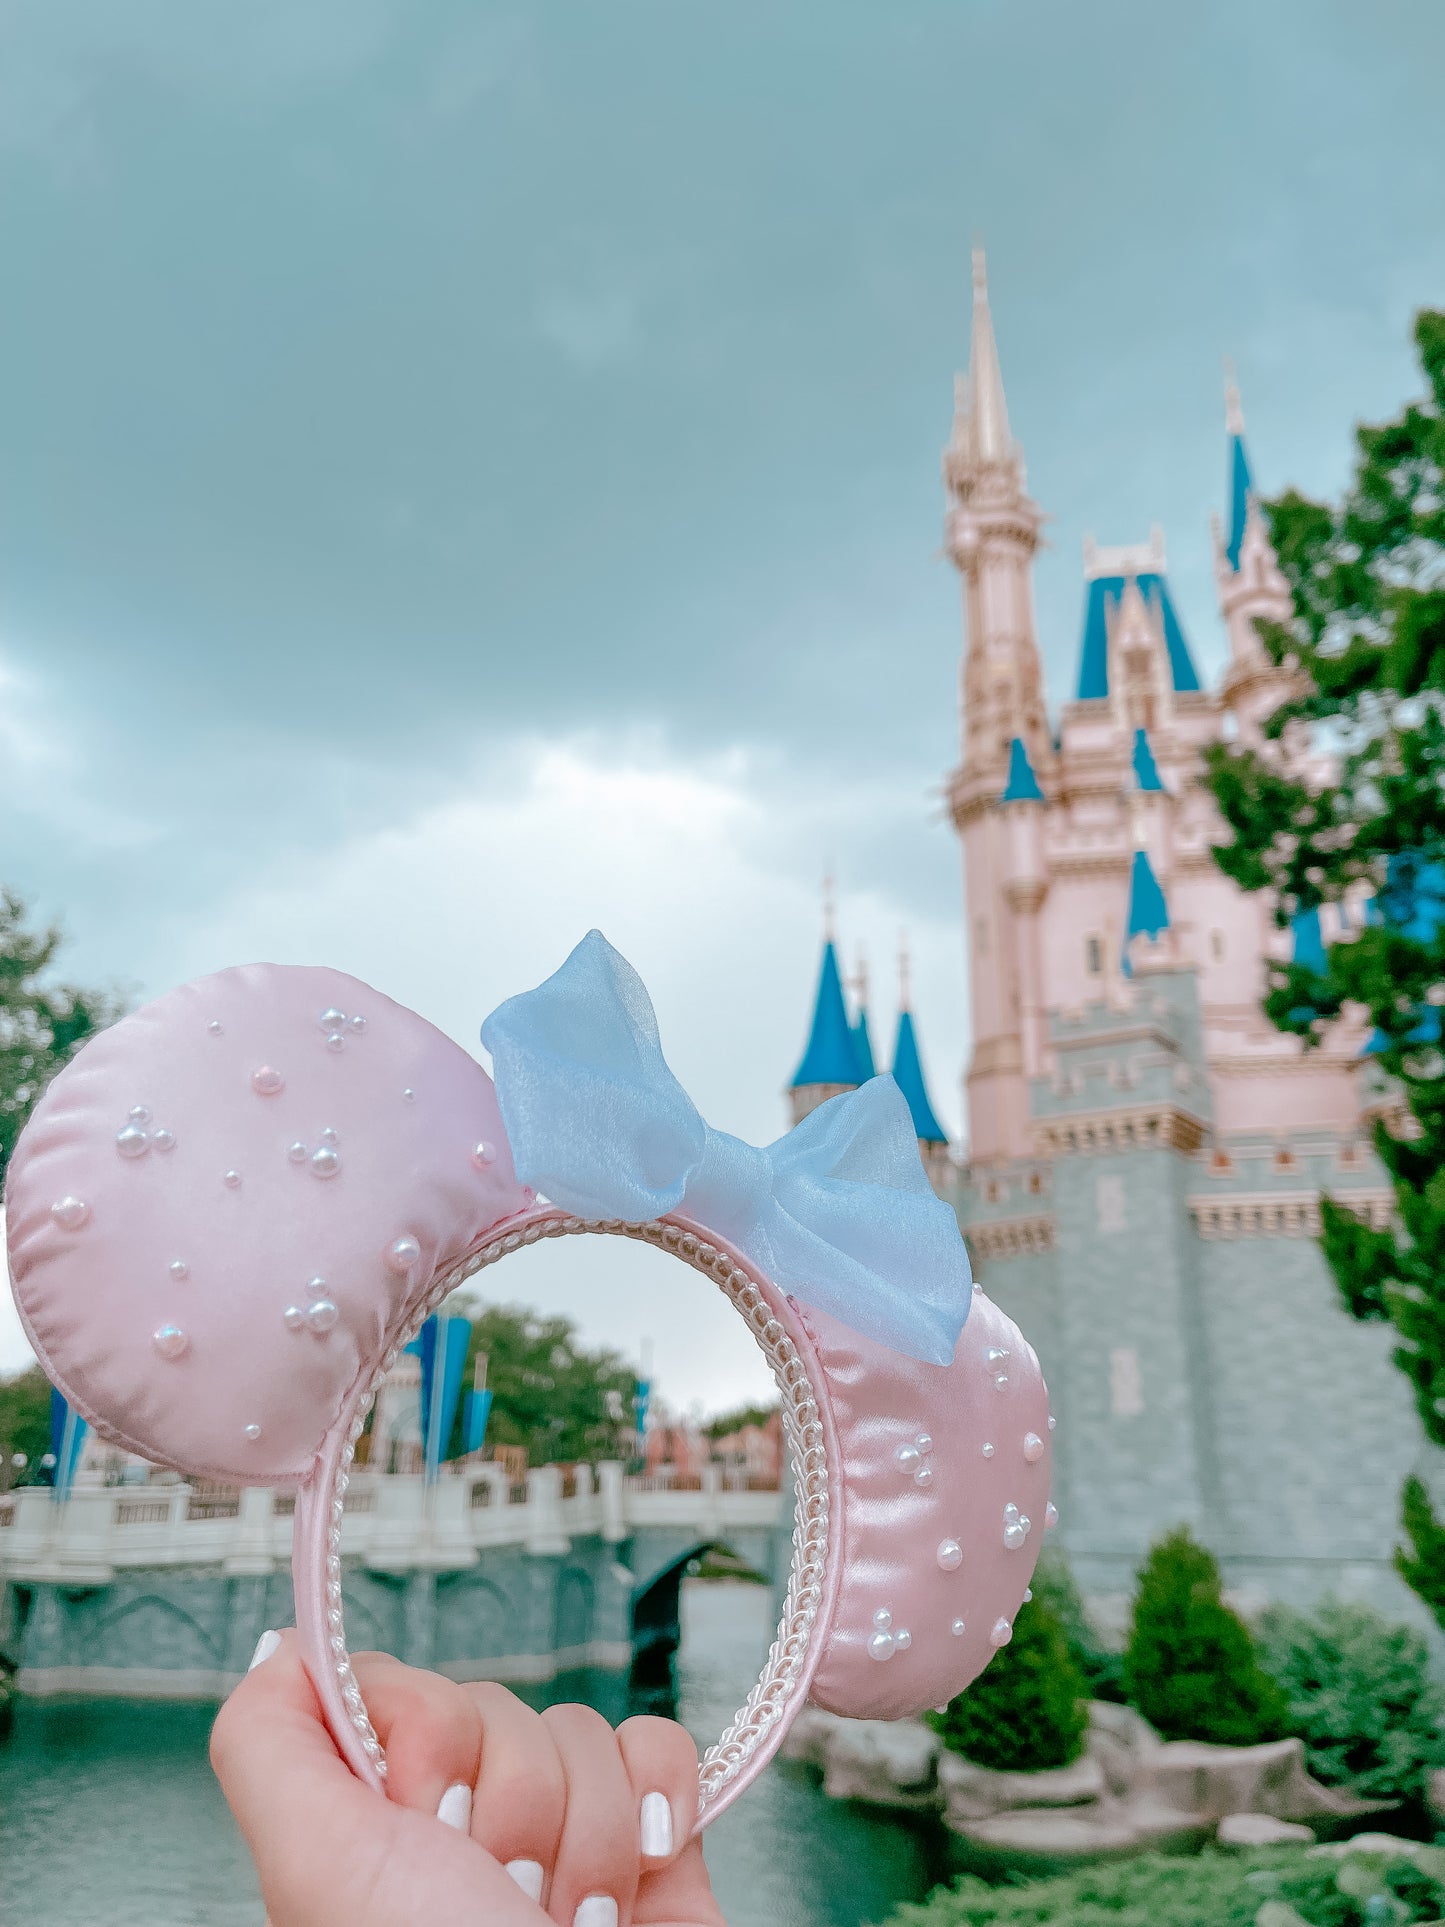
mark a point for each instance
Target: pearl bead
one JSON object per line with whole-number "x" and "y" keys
{"x": 321, "y": 1315}
{"x": 163, "y": 1140}
{"x": 924, "y": 1442}
{"x": 1014, "y": 1536}
{"x": 484, "y": 1154}
{"x": 358, "y": 1024}
{"x": 1051, "y": 1516}
{"x": 295, "y": 1318}
{"x": 1028, "y": 1595}
{"x": 959, "y": 1628}
{"x": 995, "y": 1355}
{"x": 139, "y": 1114}
{"x": 1033, "y": 1447}
{"x": 332, "y": 1019}
{"x": 267, "y": 1081}
{"x": 1002, "y": 1633}
{"x": 977, "y": 1290}
{"x": 988, "y": 1451}
{"x": 883, "y": 1619}
{"x": 179, "y": 1268}
{"x": 132, "y": 1142}
{"x": 408, "y": 1093}
{"x": 950, "y": 1555}
{"x": 902, "y": 1639}
{"x": 316, "y": 1288}
{"x": 70, "y": 1213}
{"x": 297, "y": 1152}
{"x": 907, "y": 1456}
{"x": 1001, "y": 1382}
{"x": 252, "y": 1431}
{"x": 171, "y": 1342}
{"x": 232, "y": 1180}
{"x": 923, "y": 1476}
{"x": 329, "y": 1136}
{"x": 215, "y": 1027}
{"x": 1052, "y": 1421}
{"x": 336, "y": 1041}
{"x": 880, "y": 1646}
{"x": 325, "y": 1163}
{"x": 403, "y": 1255}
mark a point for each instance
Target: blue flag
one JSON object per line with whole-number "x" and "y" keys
{"x": 443, "y": 1339}
{"x": 67, "y": 1436}
{"x": 474, "y": 1420}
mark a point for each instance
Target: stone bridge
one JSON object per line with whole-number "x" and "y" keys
{"x": 162, "y": 1590}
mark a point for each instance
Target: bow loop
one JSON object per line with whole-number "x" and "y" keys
{"x": 838, "y": 1212}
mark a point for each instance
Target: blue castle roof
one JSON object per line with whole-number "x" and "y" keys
{"x": 831, "y": 1056}
{"x": 863, "y": 1047}
{"x": 1104, "y": 595}
{"x": 1022, "y": 785}
{"x": 1148, "y": 912}
{"x": 1146, "y": 770}
{"x": 908, "y": 1076}
{"x": 1240, "y": 484}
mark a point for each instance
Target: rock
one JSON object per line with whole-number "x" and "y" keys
{"x": 807, "y": 1738}
{"x": 1219, "y": 1780}
{"x": 1388, "y": 1844}
{"x": 973, "y": 1792}
{"x": 1118, "y": 1739}
{"x": 1435, "y": 1792}
{"x": 889, "y": 1763}
{"x": 1051, "y": 1833}
{"x": 1260, "y": 1830}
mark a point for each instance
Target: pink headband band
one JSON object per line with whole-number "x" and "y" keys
{"x": 228, "y": 1214}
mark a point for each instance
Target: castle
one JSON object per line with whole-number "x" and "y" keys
{"x": 1146, "y": 1153}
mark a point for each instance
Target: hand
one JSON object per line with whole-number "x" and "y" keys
{"x": 496, "y": 1817}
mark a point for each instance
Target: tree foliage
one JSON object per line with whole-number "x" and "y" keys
{"x": 1190, "y": 1666}
{"x": 24, "y": 1419}
{"x": 42, "y": 1023}
{"x": 1367, "y": 649}
{"x": 1028, "y": 1709}
{"x": 550, "y": 1393}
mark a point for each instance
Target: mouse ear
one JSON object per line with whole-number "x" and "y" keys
{"x": 224, "y": 1209}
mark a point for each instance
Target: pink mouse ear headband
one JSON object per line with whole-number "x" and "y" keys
{"x": 233, "y": 1208}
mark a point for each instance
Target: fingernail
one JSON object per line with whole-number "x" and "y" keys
{"x": 455, "y": 1809}
{"x": 656, "y": 1826}
{"x": 528, "y": 1876}
{"x": 265, "y": 1646}
{"x": 597, "y": 1910}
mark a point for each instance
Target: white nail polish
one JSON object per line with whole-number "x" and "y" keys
{"x": 597, "y": 1910}
{"x": 528, "y": 1876}
{"x": 455, "y": 1808}
{"x": 656, "y": 1826}
{"x": 267, "y": 1644}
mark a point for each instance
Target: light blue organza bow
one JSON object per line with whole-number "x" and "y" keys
{"x": 839, "y": 1212}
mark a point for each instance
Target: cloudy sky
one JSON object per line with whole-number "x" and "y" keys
{"x": 469, "y": 472}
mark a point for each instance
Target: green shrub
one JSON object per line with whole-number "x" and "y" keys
{"x": 1190, "y": 1666}
{"x": 1027, "y": 1709}
{"x": 1212, "y": 1890}
{"x": 1360, "y": 1696}
{"x": 1101, "y": 1668}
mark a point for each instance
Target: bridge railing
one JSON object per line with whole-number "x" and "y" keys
{"x": 392, "y": 1523}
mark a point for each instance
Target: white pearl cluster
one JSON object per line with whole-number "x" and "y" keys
{"x": 1016, "y": 1527}
{"x": 324, "y": 1161}
{"x": 133, "y": 1140}
{"x": 318, "y": 1314}
{"x": 910, "y": 1458}
{"x": 887, "y": 1639}
{"x": 337, "y": 1024}
{"x": 996, "y": 1358}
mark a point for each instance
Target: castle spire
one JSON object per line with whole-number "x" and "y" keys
{"x": 862, "y": 1037}
{"x": 989, "y": 438}
{"x": 908, "y": 1065}
{"x": 1241, "y": 482}
{"x": 830, "y": 1059}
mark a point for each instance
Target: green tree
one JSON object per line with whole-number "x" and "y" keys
{"x": 1100, "y": 1666}
{"x": 1027, "y": 1710}
{"x": 42, "y": 1024}
{"x": 1190, "y": 1666}
{"x": 739, "y": 1416}
{"x": 24, "y": 1420}
{"x": 1367, "y": 648}
{"x": 551, "y": 1394}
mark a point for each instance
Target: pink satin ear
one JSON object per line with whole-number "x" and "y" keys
{"x": 221, "y": 1211}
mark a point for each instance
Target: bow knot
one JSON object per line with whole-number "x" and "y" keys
{"x": 839, "y": 1211}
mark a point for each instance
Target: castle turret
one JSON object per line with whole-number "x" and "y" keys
{"x": 992, "y": 532}
{"x": 908, "y": 1072}
{"x": 1250, "y": 585}
{"x": 830, "y": 1060}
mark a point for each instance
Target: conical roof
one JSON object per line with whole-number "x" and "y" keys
{"x": 831, "y": 1055}
{"x": 908, "y": 1076}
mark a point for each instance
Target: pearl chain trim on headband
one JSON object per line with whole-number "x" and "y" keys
{"x": 766, "y": 1703}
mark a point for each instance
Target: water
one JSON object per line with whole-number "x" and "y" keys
{"x": 109, "y": 1813}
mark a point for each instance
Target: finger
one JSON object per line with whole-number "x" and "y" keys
{"x": 521, "y": 1791}
{"x": 661, "y": 1762}
{"x": 594, "y": 1878}
{"x": 678, "y": 1892}
{"x": 431, "y": 1731}
{"x": 316, "y": 1833}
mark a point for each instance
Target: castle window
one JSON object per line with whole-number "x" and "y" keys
{"x": 1093, "y": 956}
{"x": 1216, "y": 945}
{"x": 1284, "y": 1159}
{"x": 1221, "y": 1164}
{"x": 1036, "y": 1182}
{"x": 1350, "y": 1157}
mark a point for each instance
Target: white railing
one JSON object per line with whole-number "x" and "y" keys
{"x": 393, "y": 1523}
